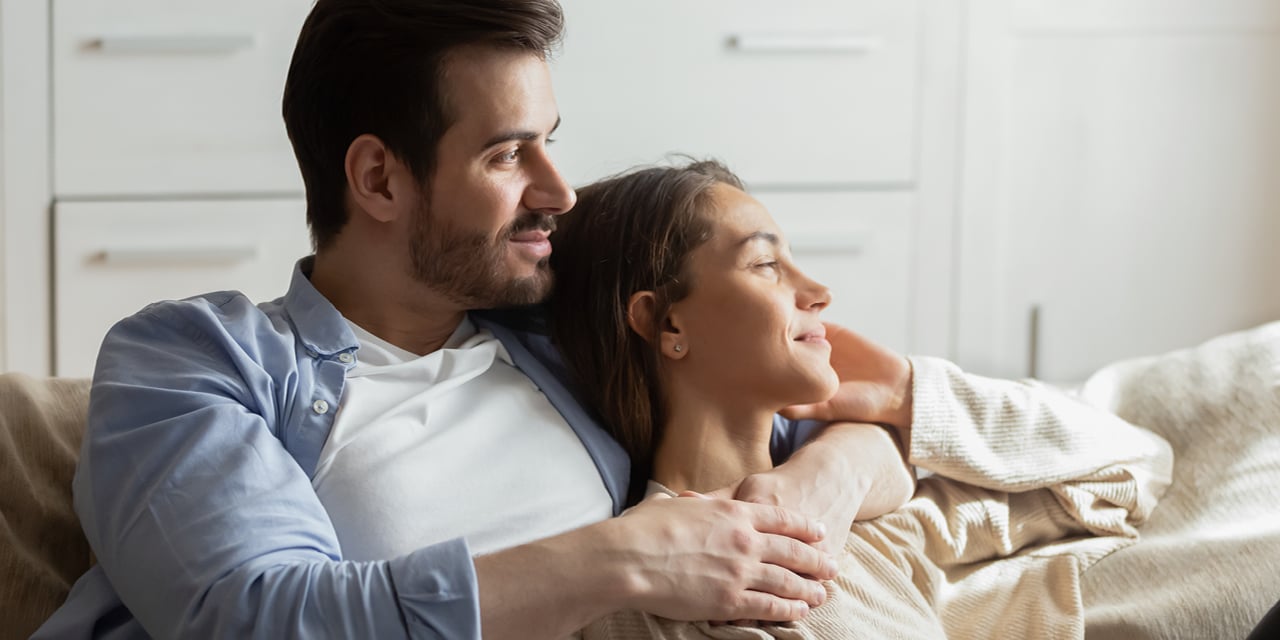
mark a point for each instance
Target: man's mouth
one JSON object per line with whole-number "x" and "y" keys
{"x": 533, "y": 235}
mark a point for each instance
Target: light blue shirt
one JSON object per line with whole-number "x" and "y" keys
{"x": 206, "y": 419}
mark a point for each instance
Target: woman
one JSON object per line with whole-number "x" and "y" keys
{"x": 680, "y": 308}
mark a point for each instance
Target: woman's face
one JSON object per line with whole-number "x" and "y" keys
{"x": 749, "y": 326}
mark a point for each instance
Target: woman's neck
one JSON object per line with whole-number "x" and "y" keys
{"x": 707, "y": 446}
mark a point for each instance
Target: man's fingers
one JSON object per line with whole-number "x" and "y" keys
{"x": 757, "y": 605}
{"x": 784, "y": 584}
{"x": 797, "y": 557}
{"x": 784, "y": 522}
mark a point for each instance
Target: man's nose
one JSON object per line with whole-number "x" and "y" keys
{"x": 547, "y": 191}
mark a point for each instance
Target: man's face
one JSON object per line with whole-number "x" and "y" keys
{"x": 480, "y": 237}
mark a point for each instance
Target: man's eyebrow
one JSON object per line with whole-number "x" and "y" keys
{"x": 507, "y": 136}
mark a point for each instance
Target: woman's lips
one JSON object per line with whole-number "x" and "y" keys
{"x": 813, "y": 335}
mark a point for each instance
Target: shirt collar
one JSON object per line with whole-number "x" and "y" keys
{"x": 317, "y": 322}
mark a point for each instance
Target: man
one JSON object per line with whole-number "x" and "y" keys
{"x": 366, "y": 456}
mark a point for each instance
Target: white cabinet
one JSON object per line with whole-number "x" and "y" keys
{"x": 171, "y": 171}
{"x": 1125, "y": 194}
{"x": 820, "y": 92}
{"x": 160, "y": 97}
{"x": 113, "y": 258}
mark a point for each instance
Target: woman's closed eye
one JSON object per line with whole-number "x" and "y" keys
{"x": 769, "y": 266}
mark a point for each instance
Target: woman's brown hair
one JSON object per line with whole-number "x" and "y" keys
{"x": 628, "y": 233}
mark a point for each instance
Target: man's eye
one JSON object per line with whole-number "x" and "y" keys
{"x": 771, "y": 264}
{"x": 509, "y": 156}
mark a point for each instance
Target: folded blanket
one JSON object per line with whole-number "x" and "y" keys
{"x": 1208, "y": 565}
{"x": 42, "y": 549}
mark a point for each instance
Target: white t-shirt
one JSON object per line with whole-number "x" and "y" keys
{"x": 454, "y": 443}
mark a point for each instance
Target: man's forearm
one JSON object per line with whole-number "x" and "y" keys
{"x": 550, "y": 588}
{"x": 868, "y": 459}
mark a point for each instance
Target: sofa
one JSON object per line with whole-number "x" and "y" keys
{"x": 1207, "y": 565}
{"x": 42, "y": 549}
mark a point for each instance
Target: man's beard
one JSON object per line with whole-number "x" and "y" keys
{"x": 469, "y": 268}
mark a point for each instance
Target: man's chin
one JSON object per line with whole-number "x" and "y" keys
{"x": 525, "y": 290}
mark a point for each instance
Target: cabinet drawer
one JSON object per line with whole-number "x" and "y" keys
{"x": 1137, "y": 16}
{"x": 172, "y": 97}
{"x": 797, "y": 93}
{"x": 113, "y": 258}
{"x": 857, "y": 244}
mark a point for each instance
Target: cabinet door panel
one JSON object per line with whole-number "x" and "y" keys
{"x": 1146, "y": 15}
{"x": 1143, "y": 205}
{"x": 113, "y": 258}
{"x": 807, "y": 92}
{"x": 172, "y": 97}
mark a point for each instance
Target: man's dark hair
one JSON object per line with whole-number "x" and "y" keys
{"x": 376, "y": 67}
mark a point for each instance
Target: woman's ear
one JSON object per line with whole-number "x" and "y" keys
{"x": 377, "y": 182}
{"x": 672, "y": 342}
{"x": 642, "y": 311}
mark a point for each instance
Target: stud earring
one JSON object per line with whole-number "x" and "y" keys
{"x": 678, "y": 348}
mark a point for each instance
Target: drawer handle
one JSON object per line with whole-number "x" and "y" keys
{"x": 804, "y": 43}
{"x": 206, "y": 256}
{"x": 192, "y": 44}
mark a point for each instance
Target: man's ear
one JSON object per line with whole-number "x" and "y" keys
{"x": 378, "y": 183}
{"x": 642, "y": 312}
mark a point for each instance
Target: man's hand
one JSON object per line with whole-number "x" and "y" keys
{"x": 701, "y": 558}
{"x": 875, "y": 384}
{"x": 849, "y": 472}
{"x": 691, "y": 558}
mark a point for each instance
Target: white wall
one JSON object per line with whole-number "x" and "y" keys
{"x": 24, "y": 187}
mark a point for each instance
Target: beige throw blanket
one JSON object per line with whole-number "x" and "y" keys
{"x": 1208, "y": 565}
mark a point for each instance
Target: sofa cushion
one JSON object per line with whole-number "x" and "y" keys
{"x": 42, "y": 548}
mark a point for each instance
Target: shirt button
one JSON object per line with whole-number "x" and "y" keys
{"x": 320, "y": 406}
{"x": 346, "y": 357}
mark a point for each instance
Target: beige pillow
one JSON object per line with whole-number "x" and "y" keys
{"x": 42, "y": 548}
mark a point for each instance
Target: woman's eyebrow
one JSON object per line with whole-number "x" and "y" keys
{"x": 771, "y": 238}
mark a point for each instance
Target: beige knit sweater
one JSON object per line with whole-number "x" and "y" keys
{"x": 1030, "y": 488}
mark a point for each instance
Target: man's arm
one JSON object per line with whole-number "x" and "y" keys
{"x": 206, "y": 526}
{"x": 845, "y": 471}
{"x": 681, "y": 558}
{"x": 202, "y": 521}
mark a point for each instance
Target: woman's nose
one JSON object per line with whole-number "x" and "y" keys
{"x": 812, "y": 294}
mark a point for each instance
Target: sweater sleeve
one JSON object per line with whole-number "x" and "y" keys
{"x": 1032, "y": 464}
